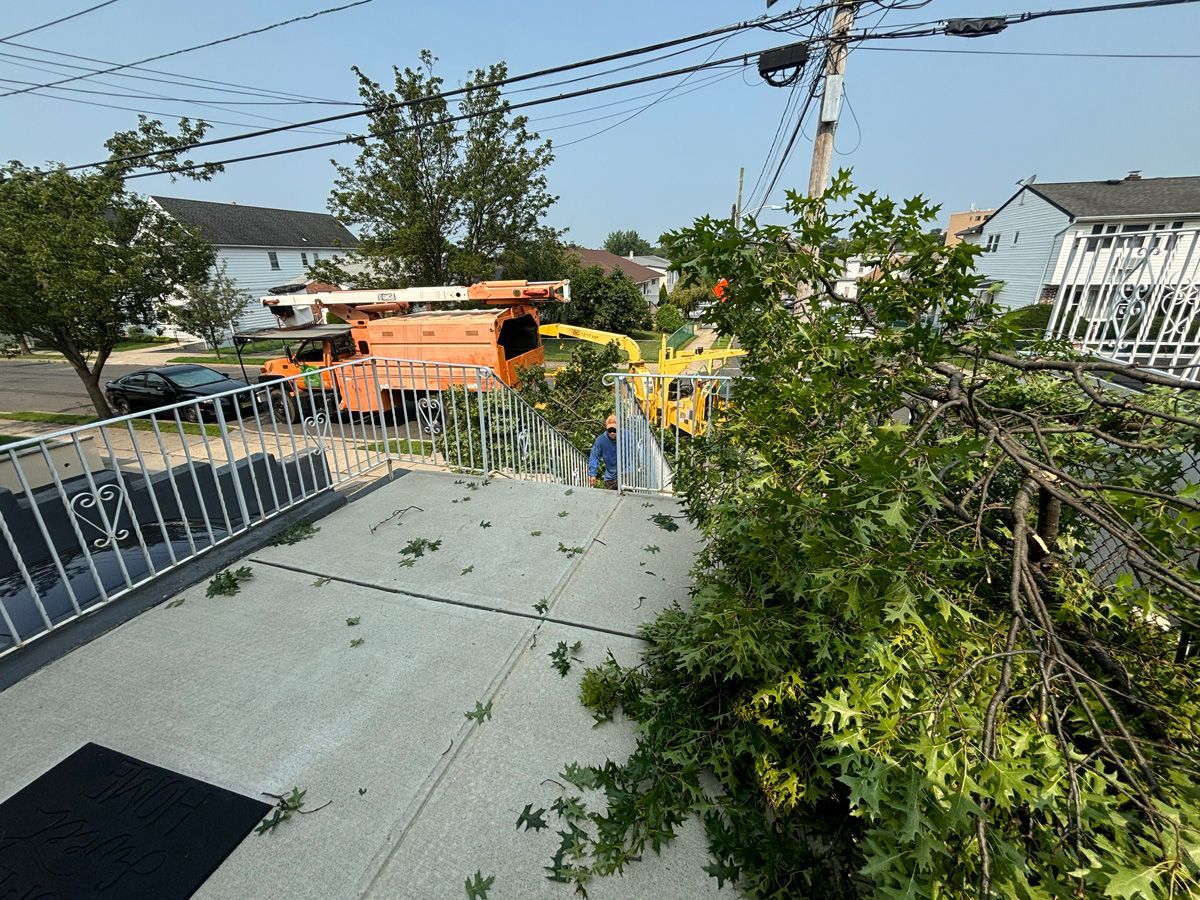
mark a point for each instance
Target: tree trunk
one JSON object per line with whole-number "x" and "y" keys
{"x": 89, "y": 375}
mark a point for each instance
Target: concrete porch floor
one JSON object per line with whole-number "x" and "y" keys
{"x": 262, "y": 691}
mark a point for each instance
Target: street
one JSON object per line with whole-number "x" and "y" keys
{"x": 52, "y": 386}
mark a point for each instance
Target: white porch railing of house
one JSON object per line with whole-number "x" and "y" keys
{"x": 1133, "y": 297}
{"x": 657, "y": 419}
{"x": 89, "y": 513}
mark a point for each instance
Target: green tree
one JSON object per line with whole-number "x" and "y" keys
{"x": 668, "y": 318}
{"x": 609, "y": 302}
{"x": 577, "y": 401}
{"x": 688, "y": 297}
{"x": 208, "y": 307}
{"x": 663, "y": 296}
{"x": 942, "y": 638}
{"x": 85, "y": 258}
{"x": 439, "y": 201}
{"x": 623, "y": 243}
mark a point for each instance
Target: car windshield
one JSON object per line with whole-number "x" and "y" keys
{"x": 187, "y": 378}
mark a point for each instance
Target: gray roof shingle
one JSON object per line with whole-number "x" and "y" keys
{"x": 234, "y": 225}
{"x": 1127, "y": 197}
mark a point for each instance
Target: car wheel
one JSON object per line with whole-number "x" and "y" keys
{"x": 283, "y": 406}
{"x": 189, "y": 413}
{"x": 120, "y": 406}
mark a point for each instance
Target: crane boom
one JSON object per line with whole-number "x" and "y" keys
{"x": 496, "y": 293}
{"x": 595, "y": 336}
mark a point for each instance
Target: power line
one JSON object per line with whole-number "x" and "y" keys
{"x": 147, "y": 95}
{"x": 499, "y": 82}
{"x": 224, "y": 40}
{"x": 633, "y": 115}
{"x": 149, "y": 112}
{"x": 74, "y": 15}
{"x": 1062, "y": 54}
{"x": 351, "y": 139}
{"x": 226, "y": 86}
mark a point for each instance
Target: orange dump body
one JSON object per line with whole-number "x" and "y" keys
{"x": 500, "y": 339}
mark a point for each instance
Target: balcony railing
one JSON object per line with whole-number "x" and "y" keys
{"x": 1133, "y": 297}
{"x": 658, "y": 418}
{"x": 89, "y": 513}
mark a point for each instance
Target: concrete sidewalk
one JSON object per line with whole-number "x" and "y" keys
{"x": 263, "y": 691}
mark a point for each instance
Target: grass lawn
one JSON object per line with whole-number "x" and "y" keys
{"x": 417, "y": 448}
{"x": 142, "y": 343}
{"x": 9, "y": 439}
{"x": 559, "y": 349}
{"x": 225, "y": 359}
{"x": 66, "y": 419}
{"x": 723, "y": 342}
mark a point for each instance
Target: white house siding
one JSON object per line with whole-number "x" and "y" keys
{"x": 1027, "y": 232}
{"x": 250, "y": 268}
{"x": 1080, "y": 259}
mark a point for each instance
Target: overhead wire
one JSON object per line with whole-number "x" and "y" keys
{"x": 177, "y": 78}
{"x": 203, "y": 46}
{"x": 147, "y": 95}
{"x": 524, "y": 104}
{"x": 633, "y": 115}
{"x": 67, "y": 18}
{"x": 499, "y": 82}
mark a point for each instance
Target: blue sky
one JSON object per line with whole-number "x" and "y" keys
{"x": 960, "y": 129}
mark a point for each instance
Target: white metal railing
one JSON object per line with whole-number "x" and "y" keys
{"x": 658, "y": 418}
{"x": 1132, "y": 297}
{"x": 91, "y": 512}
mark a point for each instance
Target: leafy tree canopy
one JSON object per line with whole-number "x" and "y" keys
{"x": 942, "y": 642}
{"x": 208, "y": 308}
{"x": 85, "y": 258}
{"x": 609, "y": 302}
{"x": 439, "y": 201}
{"x": 624, "y": 243}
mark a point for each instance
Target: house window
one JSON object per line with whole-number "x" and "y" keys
{"x": 304, "y": 260}
{"x": 993, "y": 243}
{"x": 274, "y": 260}
{"x": 1102, "y": 243}
{"x": 1016, "y": 235}
{"x": 316, "y": 256}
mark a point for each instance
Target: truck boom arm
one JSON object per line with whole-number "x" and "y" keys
{"x": 497, "y": 293}
{"x": 592, "y": 335}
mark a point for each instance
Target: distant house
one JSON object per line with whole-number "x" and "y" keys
{"x": 961, "y": 221}
{"x": 262, "y": 247}
{"x": 647, "y": 279}
{"x": 659, "y": 264}
{"x": 1046, "y": 235}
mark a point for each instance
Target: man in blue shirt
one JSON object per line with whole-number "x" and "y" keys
{"x": 605, "y": 448}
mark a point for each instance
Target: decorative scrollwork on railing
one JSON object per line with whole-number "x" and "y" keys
{"x": 106, "y": 522}
{"x": 318, "y": 429}
{"x": 429, "y": 415}
{"x": 523, "y": 443}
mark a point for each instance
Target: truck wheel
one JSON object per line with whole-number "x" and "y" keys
{"x": 283, "y": 406}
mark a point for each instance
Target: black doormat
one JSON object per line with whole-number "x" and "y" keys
{"x": 101, "y": 824}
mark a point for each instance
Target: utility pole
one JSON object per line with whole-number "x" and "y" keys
{"x": 737, "y": 219}
{"x": 831, "y": 97}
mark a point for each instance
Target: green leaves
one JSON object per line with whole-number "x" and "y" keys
{"x": 481, "y": 713}
{"x": 353, "y": 620}
{"x": 286, "y": 805}
{"x": 439, "y": 203}
{"x": 541, "y": 607}
{"x": 484, "y": 524}
{"x": 561, "y": 656}
{"x": 418, "y": 547}
{"x": 468, "y": 570}
{"x": 477, "y": 887}
{"x": 357, "y": 642}
{"x": 531, "y": 820}
{"x": 294, "y": 534}
{"x": 229, "y": 582}
{"x": 570, "y": 551}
